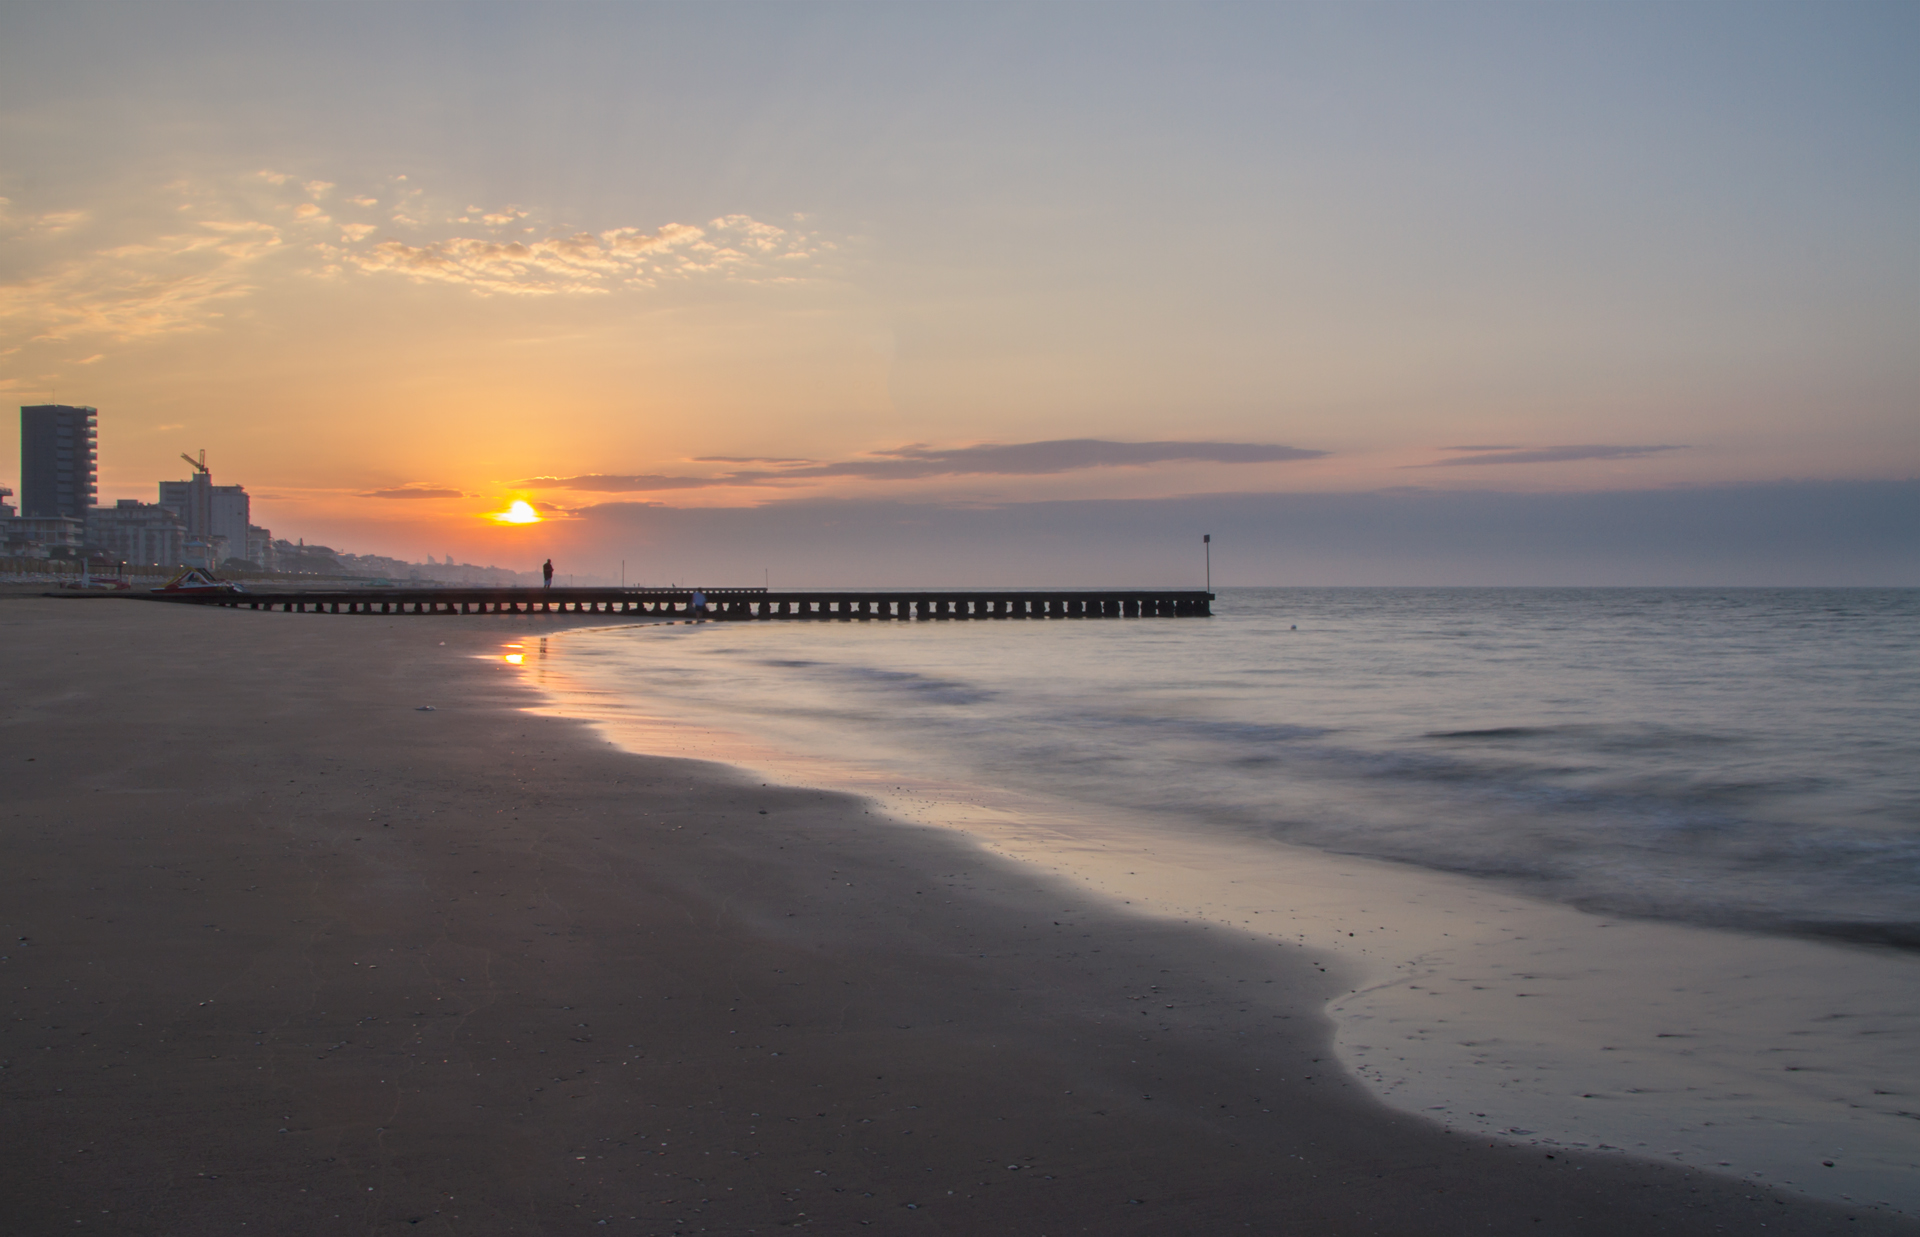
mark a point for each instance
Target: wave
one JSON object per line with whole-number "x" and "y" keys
{"x": 1685, "y": 756}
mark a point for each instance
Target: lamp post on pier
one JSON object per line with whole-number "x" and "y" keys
{"x": 1206, "y": 539}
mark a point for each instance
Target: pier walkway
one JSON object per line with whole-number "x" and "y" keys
{"x": 722, "y": 603}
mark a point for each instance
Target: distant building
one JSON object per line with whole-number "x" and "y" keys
{"x": 260, "y": 551}
{"x": 216, "y": 516}
{"x": 58, "y": 460}
{"x": 143, "y": 534}
{"x": 6, "y": 508}
{"x": 299, "y": 558}
{"x": 52, "y": 536}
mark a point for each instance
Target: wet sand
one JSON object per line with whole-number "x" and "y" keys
{"x": 285, "y": 954}
{"x": 1492, "y": 1012}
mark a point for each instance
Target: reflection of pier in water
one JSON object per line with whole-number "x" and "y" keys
{"x": 724, "y": 603}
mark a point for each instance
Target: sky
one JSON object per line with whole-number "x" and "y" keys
{"x": 991, "y": 293}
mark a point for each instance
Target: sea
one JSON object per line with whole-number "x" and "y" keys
{"x": 1628, "y": 870}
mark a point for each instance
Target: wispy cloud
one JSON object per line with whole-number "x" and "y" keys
{"x": 1021, "y": 459}
{"x": 735, "y": 246}
{"x": 409, "y": 491}
{"x": 171, "y": 260}
{"x": 1546, "y": 455}
{"x": 160, "y": 283}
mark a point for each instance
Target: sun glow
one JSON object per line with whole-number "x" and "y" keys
{"x": 520, "y": 512}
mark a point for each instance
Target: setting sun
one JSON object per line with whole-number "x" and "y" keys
{"x": 521, "y": 512}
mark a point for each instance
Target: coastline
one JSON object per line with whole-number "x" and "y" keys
{"x": 1472, "y": 1004}
{"x": 285, "y": 949}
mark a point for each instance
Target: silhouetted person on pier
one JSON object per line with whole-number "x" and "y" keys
{"x": 546, "y": 572}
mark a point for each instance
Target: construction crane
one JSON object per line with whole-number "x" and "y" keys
{"x": 199, "y": 465}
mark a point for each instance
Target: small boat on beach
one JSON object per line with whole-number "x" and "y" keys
{"x": 198, "y": 581}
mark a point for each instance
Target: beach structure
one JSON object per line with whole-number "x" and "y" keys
{"x": 736, "y": 604}
{"x": 58, "y": 460}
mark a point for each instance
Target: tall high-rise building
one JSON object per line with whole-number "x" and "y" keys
{"x": 58, "y": 460}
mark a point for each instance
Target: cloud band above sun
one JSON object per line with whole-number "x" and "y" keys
{"x": 410, "y": 491}
{"x": 917, "y": 461}
{"x": 1546, "y": 455}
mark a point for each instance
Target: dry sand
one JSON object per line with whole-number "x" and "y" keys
{"x": 285, "y": 954}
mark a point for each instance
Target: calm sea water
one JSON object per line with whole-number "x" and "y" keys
{"x": 1742, "y": 758}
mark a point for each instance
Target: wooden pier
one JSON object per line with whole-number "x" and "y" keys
{"x": 722, "y": 604}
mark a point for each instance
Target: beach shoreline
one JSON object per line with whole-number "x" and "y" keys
{"x": 1473, "y": 1004}
{"x": 315, "y": 922}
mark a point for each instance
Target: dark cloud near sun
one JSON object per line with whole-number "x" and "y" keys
{"x": 1547, "y": 455}
{"x": 414, "y": 492}
{"x": 918, "y": 460}
{"x": 601, "y": 483}
{"x": 751, "y": 459}
{"x": 1026, "y": 459}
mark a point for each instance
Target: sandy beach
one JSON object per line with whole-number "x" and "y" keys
{"x": 312, "y": 925}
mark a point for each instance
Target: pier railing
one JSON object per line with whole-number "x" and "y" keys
{"x": 744, "y": 604}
